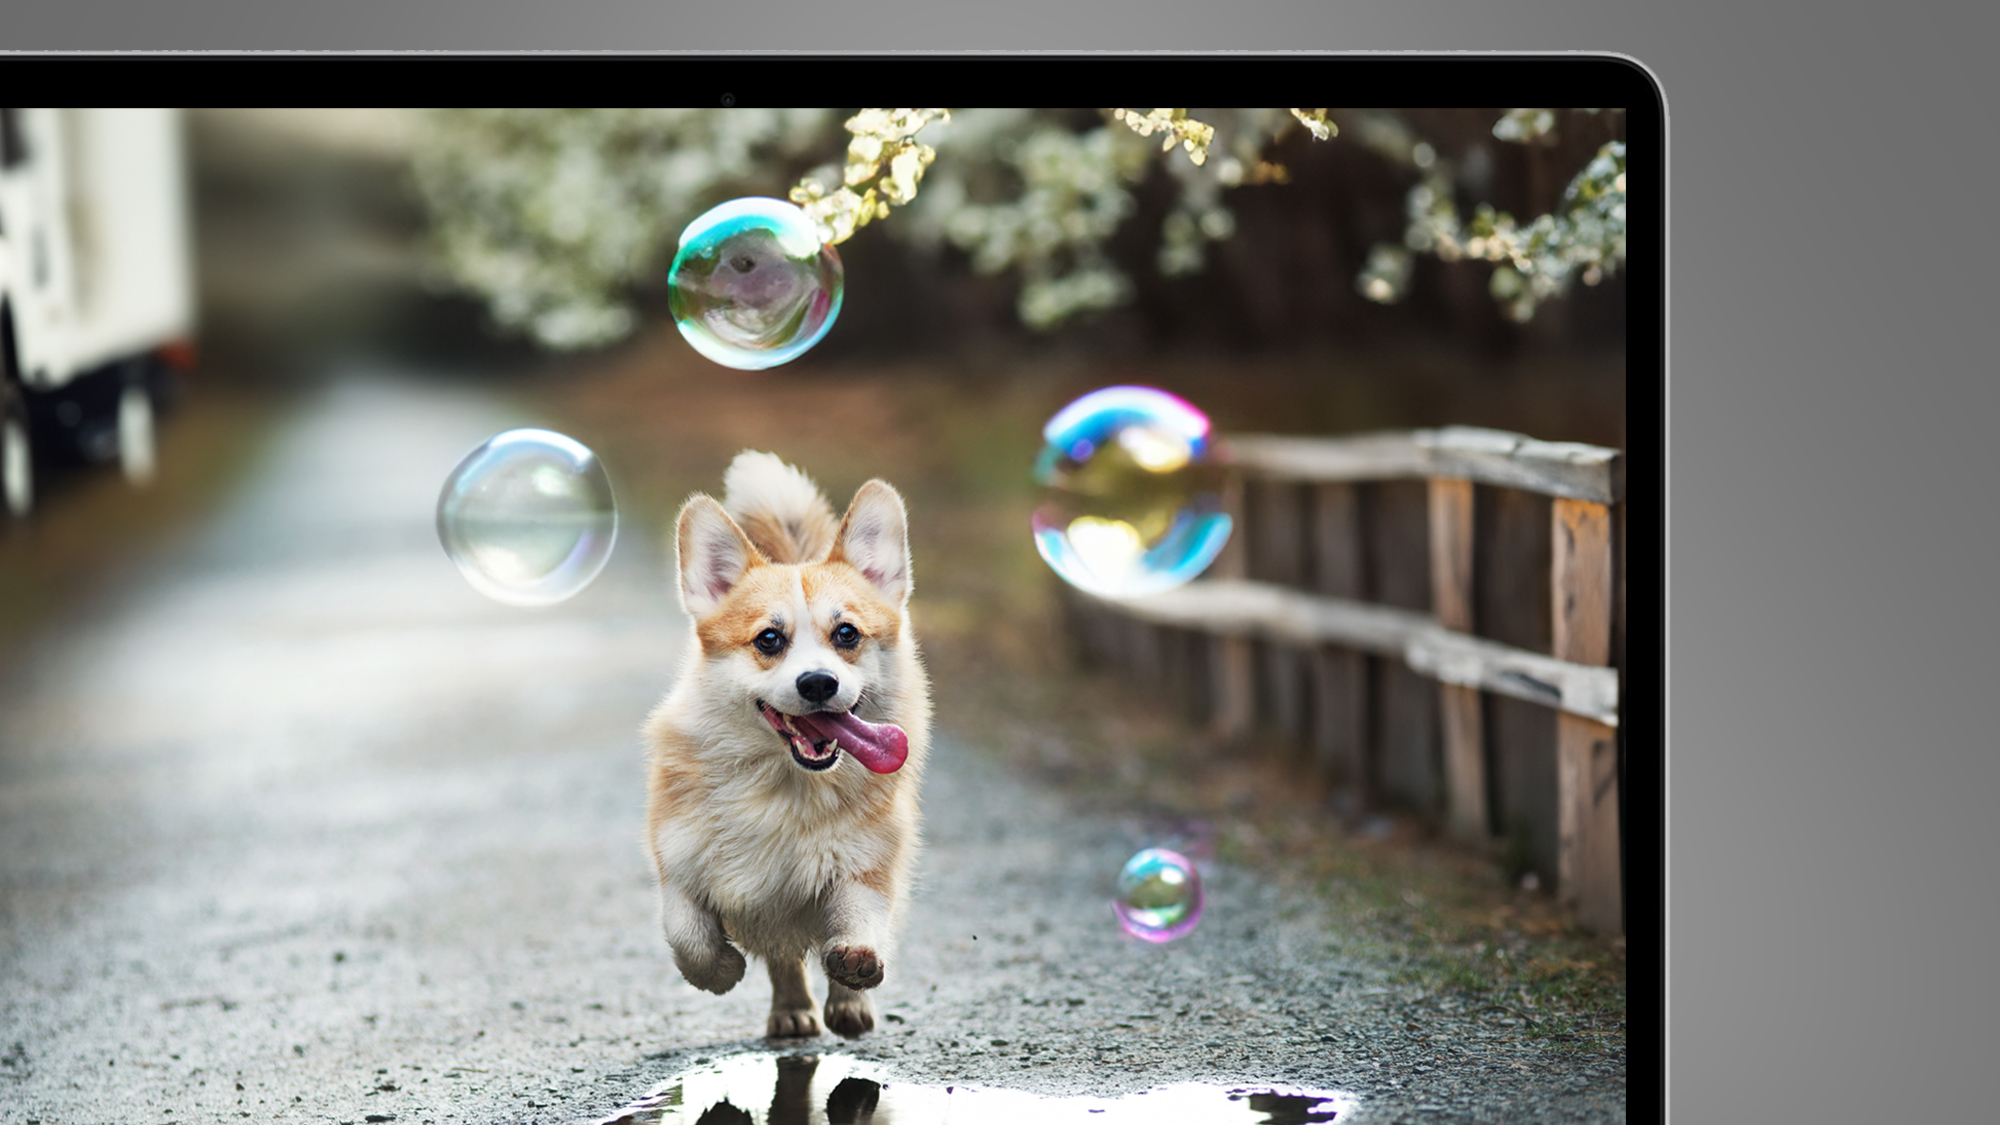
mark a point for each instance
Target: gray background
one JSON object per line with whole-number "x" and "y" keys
{"x": 1831, "y": 847}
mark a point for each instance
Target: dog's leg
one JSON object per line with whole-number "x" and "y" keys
{"x": 857, "y": 918}
{"x": 701, "y": 952}
{"x": 791, "y": 1000}
{"x": 848, "y": 1012}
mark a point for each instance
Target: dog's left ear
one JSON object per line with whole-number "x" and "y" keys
{"x": 874, "y": 538}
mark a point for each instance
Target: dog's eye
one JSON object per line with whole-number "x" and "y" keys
{"x": 846, "y": 636}
{"x": 769, "y": 642}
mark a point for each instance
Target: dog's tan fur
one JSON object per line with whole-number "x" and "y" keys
{"x": 756, "y": 854}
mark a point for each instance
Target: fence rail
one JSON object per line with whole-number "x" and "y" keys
{"x": 1553, "y": 468}
{"x": 1438, "y": 614}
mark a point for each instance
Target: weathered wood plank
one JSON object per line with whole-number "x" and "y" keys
{"x": 1512, "y": 608}
{"x": 1276, "y": 534}
{"x": 1408, "y": 753}
{"x": 1451, "y": 553}
{"x": 1277, "y": 538}
{"x": 1587, "y": 772}
{"x": 1283, "y": 686}
{"x": 1554, "y": 468}
{"x": 1245, "y": 610}
{"x": 1232, "y": 681}
{"x": 1586, "y": 752}
{"x": 1581, "y": 581}
{"x": 1407, "y": 741}
{"x": 1459, "y": 720}
{"x": 1384, "y": 456}
{"x": 1195, "y": 654}
{"x": 1232, "y": 686}
{"x": 1179, "y": 674}
{"x": 1454, "y": 658}
{"x": 1462, "y": 728}
{"x": 1143, "y": 656}
{"x": 1339, "y": 564}
{"x": 1340, "y": 717}
{"x": 1339, "y": 674}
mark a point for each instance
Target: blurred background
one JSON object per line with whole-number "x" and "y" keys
{"x": 1328, "y": 276}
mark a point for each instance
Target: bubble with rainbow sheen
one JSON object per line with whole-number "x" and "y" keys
{"x": 1159, "y": 896}
{"x": 752, "y": 285}
{"x": 1132, "y": 501}
{"x": 528, "y": 517}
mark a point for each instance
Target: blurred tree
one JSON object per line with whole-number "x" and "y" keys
{"x": 554, "y": 216}
{"x": 558, "y": 218}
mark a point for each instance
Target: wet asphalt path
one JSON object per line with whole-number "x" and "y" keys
{"x": 297, "y": 827}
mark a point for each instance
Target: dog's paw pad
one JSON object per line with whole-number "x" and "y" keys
{"x": 854, "y": 966}
{"x": 798, "y": 1023}
{"x": 850, "y": 1017}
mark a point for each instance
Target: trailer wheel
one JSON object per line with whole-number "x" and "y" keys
{"x": 136, "y": 452}
{"x": 17, "y": 460}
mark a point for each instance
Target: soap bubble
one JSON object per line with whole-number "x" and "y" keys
{"x": 528, "y": 517}
{"x": 1134, "y": 499}
{"x": 1159, "y": 895}
{"x": 752, "y": 286}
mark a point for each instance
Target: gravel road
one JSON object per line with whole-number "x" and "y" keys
{"x": 295, "y": 826}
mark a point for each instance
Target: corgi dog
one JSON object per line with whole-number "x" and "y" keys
{"x": 785, "y": 762}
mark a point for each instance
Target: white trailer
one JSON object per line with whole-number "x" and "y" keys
{"x": 96, "y": 287}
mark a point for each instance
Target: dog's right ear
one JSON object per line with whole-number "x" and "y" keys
{"x": 712, "y": 553}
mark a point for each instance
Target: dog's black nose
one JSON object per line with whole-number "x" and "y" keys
{"x": 817, "y": 687}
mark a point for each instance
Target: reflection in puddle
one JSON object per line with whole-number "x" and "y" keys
{"x": 770, "y": 1089}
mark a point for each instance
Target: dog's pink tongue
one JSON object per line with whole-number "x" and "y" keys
{"x": 881, "y": 747}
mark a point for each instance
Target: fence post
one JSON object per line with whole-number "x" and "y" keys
{"x": 1586, "y": 750}
{"x": 1277, "y": 546}
{"x": 1460, "y": 721}
{"x": 1340, "y": 684}
{"x": 1232, "y": 660}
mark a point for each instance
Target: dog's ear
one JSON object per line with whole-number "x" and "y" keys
{"x": 712, "y": 553}
{"x": 874, "y": 538}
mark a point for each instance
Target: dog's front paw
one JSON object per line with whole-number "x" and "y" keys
{"x": 792, "y": 1023}
{"x": 850, "y": 1015}
{"x": 855, "y": 966}
{"x": 717, "y": 972}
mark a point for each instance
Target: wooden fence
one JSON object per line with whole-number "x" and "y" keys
{"x": 1433, "y": 618}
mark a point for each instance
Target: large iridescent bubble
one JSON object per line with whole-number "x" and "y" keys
{"x": 752, "y": 285}
{"x": 1133, "y": 500}
{"x": 1159, "y": 896}
{"x": 528, "y": 517}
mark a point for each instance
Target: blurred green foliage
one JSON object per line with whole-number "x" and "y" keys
{"x": 556, "y": 219}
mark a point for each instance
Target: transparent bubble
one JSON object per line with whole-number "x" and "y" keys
{"x": 1159, "y": 895}
{"x": 752, "y": 286}
{"x": 528, "y": 517}
{"x": 1133, "y": 501}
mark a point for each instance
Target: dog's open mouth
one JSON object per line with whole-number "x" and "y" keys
{"x": 817, "y": 738}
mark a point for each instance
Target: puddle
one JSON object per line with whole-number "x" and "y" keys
{"x": 773, "y": 1089}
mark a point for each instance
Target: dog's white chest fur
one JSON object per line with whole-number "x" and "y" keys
{"x": 771, "y": 840}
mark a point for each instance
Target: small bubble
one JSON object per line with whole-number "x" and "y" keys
{"x": 528, "y": 517}
{"x": 1133, "y": 497}
{"x": 752, "y": 285}
{"x": 1159, "y": 896}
